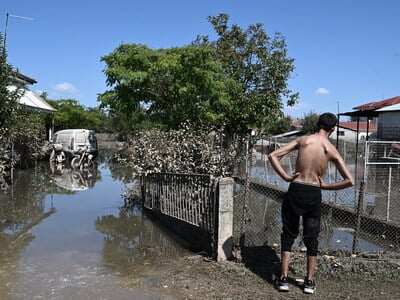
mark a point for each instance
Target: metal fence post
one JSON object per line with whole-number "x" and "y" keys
{"x": 359, "y": 213}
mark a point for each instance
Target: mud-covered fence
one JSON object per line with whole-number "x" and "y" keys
{"x": 186, "y": 203}
{"x": 363, "y": 218}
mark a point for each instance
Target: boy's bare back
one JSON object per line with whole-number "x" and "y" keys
{"x": 314, "y": 153}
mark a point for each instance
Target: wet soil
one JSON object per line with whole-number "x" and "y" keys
{"x": 338, "y": 276}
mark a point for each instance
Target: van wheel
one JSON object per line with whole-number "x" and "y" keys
{"x": 75, "y": 163}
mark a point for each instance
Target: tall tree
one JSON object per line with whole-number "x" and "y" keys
{"x": 166, "y": 86}
{"x": 8, "y": 98}
{"x": 20, "y": 129}
{"x": 260, "y": 68}
{"x": 235, "y": 82}
{"x": 8, "y": 101}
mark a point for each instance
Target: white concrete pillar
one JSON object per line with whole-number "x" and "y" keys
{"x": 225, "y": 218}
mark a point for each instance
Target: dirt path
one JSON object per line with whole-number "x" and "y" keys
{"x": 196, "y": 277}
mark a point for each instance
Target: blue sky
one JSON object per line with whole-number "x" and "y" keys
{"x": 347, "y": 52}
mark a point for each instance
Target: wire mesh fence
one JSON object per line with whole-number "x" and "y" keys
{"x": 363, "y": 218}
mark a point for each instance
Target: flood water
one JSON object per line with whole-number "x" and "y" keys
{"x": 67, "y": 235}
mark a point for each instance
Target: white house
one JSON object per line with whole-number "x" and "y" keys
{"x": 347, "y": 131}
{"x": 29, "y": 99}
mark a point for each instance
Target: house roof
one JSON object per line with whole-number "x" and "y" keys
{"x": 21, "y": 78}
{"x": 361, "y": 127}
{"x": 289, "y": 133}
{"x": 32, "y": 101}
{"x": 394, "y": 107}
{"x": 378, "y": 104}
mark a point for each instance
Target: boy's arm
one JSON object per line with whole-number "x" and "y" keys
{"x": 348, "y": 179}
{"x": 275, "y": 157}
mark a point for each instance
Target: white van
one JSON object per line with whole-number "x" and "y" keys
{"x": 73, "y": 140}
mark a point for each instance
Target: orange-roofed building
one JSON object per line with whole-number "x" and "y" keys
{"x": 348, "y": 130}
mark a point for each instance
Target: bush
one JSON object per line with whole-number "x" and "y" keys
{"x": 188, "y": 150}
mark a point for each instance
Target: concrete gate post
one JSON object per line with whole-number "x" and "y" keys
{"x": 225, "y": 219}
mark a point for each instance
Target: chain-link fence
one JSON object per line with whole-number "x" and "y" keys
{"x": 363, "y": 218}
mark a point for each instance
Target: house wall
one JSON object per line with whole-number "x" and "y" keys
{"x": 389, "y": 125}
{"x": 348, "y": 135}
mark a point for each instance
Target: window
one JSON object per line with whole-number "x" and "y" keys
{"x": 80, "y": 138}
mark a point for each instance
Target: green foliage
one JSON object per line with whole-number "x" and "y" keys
{"x": 8, "y": 99}
{"x": 20, "y": 129}
{"x": 279, "y": 126}
{"x": 259, "y": 67}
{"x": 309, "y": 122}
{"x": 70, "y": 114}
{"x": 28, "y": 136}
{"x": 166, "y": 87}
{"x": 234, "y": 83}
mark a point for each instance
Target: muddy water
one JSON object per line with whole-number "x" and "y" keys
{"x": 66, "y": 235}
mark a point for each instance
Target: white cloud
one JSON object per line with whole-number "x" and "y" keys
{"x": 66, "y": 88}
{"x": 322, "y": 91}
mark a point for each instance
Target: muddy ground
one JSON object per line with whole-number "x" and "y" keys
{"x": 339, "y": 276}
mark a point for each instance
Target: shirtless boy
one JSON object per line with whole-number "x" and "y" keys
{"x": 303, "y": 197}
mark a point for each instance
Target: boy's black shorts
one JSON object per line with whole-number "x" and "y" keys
{"x": 301, "y": 200}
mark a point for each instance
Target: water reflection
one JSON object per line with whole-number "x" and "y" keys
{"x": 22, "y": 207}
{"x": 133, "y": 243}
{"x": 77, "y": 246}
{"x": 73, "y": 179}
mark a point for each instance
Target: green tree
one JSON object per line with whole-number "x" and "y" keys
{"x": 20, "y": 129}
{"x": 279, "y": 126}
{"x": 71, "y": 114}
{"x": 236, "y": 82}
{"x": 260, "y": 68}
{"x": 28, "y": 136}
{"x": 309, "y": 122}
{"x": 8, "y": 101}
{"x": 8, "y": 98}
{"x": 166, "y": 87}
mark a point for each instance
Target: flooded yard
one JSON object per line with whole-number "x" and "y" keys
{"x": 65, "y": 235}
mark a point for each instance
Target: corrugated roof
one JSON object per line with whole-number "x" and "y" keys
{"x": 362, "y": 126}
{"x": 32, "y": 101}
{"x": 393, "y": 107}
{"x": 378, "y": 104}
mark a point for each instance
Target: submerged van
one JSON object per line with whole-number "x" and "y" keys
{"x": 73, "y": 140}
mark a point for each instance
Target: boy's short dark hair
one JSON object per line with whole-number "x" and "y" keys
{"x": 327, "y": 121}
